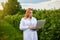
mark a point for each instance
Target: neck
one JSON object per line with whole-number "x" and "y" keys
{"x": 28, "y": 17}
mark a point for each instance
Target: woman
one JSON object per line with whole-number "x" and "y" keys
{"x": 28, "y": 25}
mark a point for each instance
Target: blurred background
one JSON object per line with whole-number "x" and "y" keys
{"x": 11, "y": 12}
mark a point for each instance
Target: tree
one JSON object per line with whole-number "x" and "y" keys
{"x": 12, "y": 7}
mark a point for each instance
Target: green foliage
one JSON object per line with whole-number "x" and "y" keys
{"x": 51, "y": 31}
{"x": 8, "y": 32}
{"x": 22, "y": 12}
{"x": 0, "y": 13}
{"x": 12, "y": 7}
{"x": 13, "y": 20}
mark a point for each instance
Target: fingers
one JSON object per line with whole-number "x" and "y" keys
{"x": 31, "y": 27}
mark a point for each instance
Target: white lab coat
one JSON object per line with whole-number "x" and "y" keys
{"x": 28, "y": 34}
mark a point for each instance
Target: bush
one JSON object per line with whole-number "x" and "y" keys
{"x": 51, "y": 31}
{"x": 8, "y": 32}
{"x": 13, "y": 20}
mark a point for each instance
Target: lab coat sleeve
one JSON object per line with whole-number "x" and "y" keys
{"x": 22, "y": 26}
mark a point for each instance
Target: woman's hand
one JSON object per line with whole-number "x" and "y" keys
{"x": 31, "y": 27}
{"x": 36, "y": 28}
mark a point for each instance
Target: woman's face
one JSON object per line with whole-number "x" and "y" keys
{"x": 31, "y": 12}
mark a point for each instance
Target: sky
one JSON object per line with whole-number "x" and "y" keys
{"x": 31, "y": 1}
{"x": 38, "y": 4}
{"x": 1, "y": 8}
